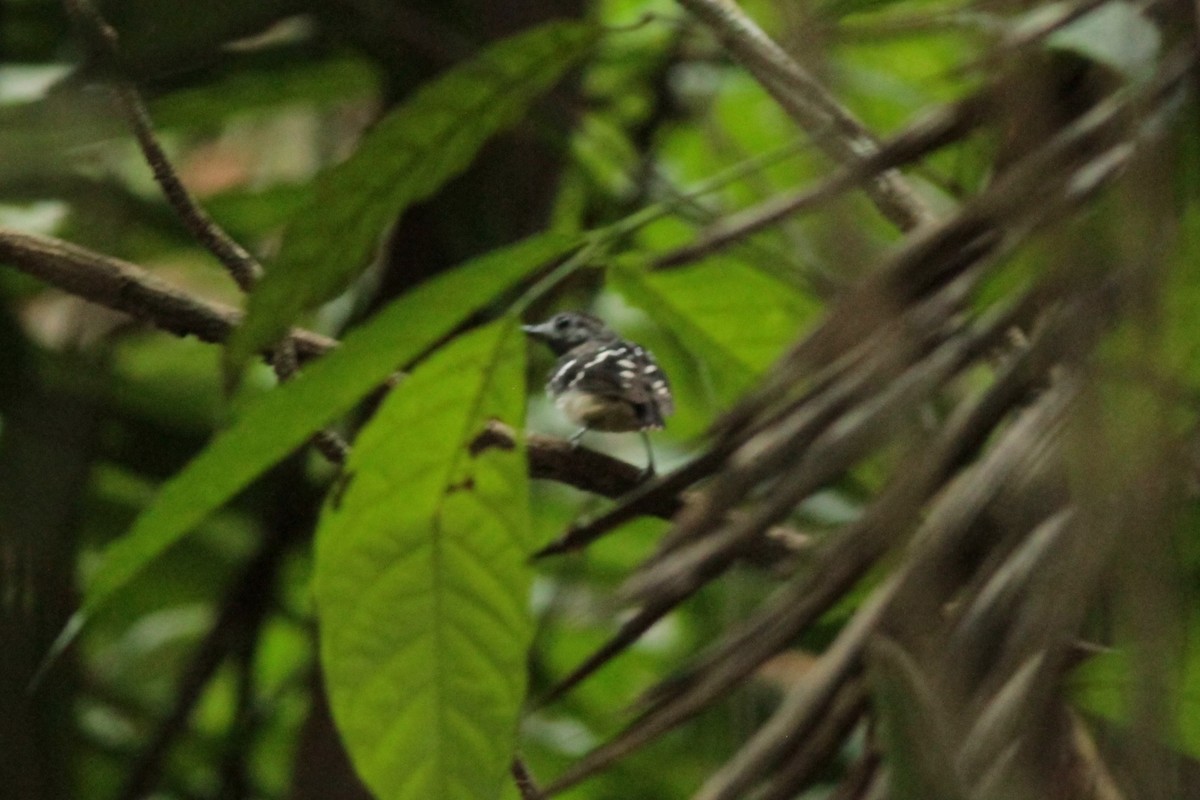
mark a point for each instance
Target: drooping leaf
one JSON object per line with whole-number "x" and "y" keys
{"x": 406, "y": 157}
{"x": 279, "y": 421}
{"x": 422, "y": 579}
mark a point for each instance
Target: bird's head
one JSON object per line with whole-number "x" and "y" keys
{"x": 567, "y": 330}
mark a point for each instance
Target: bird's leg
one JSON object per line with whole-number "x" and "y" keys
{"x": 648, "y": 472}
{"x": 576, "y": 438}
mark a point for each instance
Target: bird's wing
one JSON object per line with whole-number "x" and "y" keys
{"x": 619, "y": 370}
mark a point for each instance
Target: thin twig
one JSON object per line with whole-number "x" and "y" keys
{"x": 243, "y": 267}
{"x": 556, "y": 459}
{"x": 660, "y": 493}
{"x": 286, "y": 364}
{"x": 526, "y": 785}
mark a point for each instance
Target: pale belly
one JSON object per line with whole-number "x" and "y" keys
{"x": 598, "y": 413}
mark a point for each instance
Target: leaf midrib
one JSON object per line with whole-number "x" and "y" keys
{"x": 487, "y": 375}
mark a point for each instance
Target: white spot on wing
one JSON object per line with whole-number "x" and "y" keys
{"x": 600, "y": 358}
{"x": 562, "y": 370}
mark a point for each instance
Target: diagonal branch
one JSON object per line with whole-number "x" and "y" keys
{"x": 526, "y": 786}
{"x": 128, "y": 288}
{"x": 833, "y": 126}
{"x": 242, "y": 266}
{"x": 928, "y": 133}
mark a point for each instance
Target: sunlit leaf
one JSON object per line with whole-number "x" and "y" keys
{"x": 402, "y": 160}
{"x": 422, "y": 579}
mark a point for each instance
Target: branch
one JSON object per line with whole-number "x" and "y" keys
{"x": 556, "y": 459}
{"x": 927, "y": 134}
{"x": 130, "y": 289}
{"x": 242, "y": 266}
{"x": 834, "y": 127}
{"x": 244, "y": 269}
{"x": 526, "y": 786}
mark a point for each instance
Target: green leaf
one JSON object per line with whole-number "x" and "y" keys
{"x": 422, "y": 579}
{"x": 279, "y": 421}
{"x": 1181, "y": 298}
{"x": 733, "y": 317}
{"x": 1110, "y": 684}
{"x": 412, "y": 152}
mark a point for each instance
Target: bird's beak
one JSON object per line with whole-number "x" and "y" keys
{"x": 537, "y": 331}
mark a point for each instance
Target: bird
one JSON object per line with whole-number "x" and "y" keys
{"x": 603, "y": 382}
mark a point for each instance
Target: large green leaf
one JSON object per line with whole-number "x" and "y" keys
{"x": 422, "y": 579}
{"x": 277, "y": 422}
{"x": 402, "y": 160}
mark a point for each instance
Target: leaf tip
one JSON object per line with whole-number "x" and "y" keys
{"x": 65, "y": 639}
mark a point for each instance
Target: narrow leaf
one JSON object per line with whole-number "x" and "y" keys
{"x": 404, "y": 159}
{"x": 422, "y": 580}
{"x": 914, "y": 734}
{"x": 279, "y": 421}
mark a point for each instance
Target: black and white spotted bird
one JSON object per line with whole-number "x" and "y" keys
{"x": 601, "y": 381}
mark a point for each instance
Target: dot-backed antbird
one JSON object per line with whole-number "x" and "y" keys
{"x": 601, "y": 381}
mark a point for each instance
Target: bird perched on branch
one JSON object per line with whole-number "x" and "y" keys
{"x": 603, "y": 382}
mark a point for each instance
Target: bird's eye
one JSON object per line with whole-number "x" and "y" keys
{"x": 561, "y": 323}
